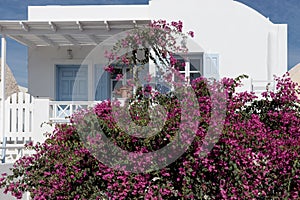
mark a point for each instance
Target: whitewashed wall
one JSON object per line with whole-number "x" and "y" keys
{"x": 238, "y": 33}
{"x": 42, "y": 63}
{"x": 247, "y": 42}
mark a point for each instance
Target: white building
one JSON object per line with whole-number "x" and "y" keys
{"x": 237, "y": 40}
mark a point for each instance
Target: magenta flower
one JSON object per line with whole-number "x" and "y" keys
{"x": 191, "y": 33}
{"x": 109, "y": 68}
{"x": 119, "y": 77}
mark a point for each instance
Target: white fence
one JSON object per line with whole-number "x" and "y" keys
{"x": 18, "y": 124}
{"x": 24, "y": 116}
{"x": 18, "y": 109}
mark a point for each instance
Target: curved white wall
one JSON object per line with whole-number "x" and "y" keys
{"x": 238, "y": 33}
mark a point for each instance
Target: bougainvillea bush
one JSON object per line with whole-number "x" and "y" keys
{"x": 256, "y": 156}
{"x": 253, "y": 153}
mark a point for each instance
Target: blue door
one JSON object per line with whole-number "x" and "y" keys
{"x": 72, "y": 83}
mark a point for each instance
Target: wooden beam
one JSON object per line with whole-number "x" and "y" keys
{"x": 47, "y": 40}
{"x": 71, "y": 39}
{"x": 80, "y": 27}
{"x": 98, "y": 31}
{"x": 94, "y": 39}
{"x": 23, "y": 41}
{"x": 24, "y": 26}
{"x": 53, "y": 26}
{"x": 134, "y": 23}
{"x": 107, "y": 25}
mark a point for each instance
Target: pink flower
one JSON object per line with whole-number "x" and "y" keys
{"x": 47, "y": 173}
{"x": 119, "y": 77}
{"x": 109, "y": 68}
{"x": 124, "y": 43}
{"x": 109, "y": 55}
{"x": 173, "y": 60}
{"x": 125, "y": 60}
{"x": 191, "y": 33}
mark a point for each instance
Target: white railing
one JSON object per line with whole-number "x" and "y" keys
{"x": 259, "y": 86}
{"x": 60, "y": 111}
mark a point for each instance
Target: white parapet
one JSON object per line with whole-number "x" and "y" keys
{"x": 41, "y": 118}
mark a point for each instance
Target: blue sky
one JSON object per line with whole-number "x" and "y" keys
{"x": 279, "y": 11}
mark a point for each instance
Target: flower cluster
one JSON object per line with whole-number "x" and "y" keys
{"x": 256, "y": 156}
{"x": 253, "y": 153}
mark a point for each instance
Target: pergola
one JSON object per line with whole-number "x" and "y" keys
{"x": 57, "y": 34}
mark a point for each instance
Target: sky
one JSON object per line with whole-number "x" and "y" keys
{"x": 278, "y": 11}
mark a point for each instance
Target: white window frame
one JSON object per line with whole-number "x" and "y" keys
{"x": 187, "y": 72}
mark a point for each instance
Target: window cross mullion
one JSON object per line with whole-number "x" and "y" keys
{"x": 187, "y": 70}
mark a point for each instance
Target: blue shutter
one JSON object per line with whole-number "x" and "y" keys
{"x": 211, "y": 66}
{"x": 102, "y": 86}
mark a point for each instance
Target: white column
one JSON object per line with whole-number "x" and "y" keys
{"x": 3, "y": 72}
{"x": 272, "y": 54}
{"x": 282, "y": 58}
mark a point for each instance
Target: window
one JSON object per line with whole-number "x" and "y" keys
{"x": 191, "y": 66}
{"x": 107, "y": 85}
{"x": 117, "y": 86}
